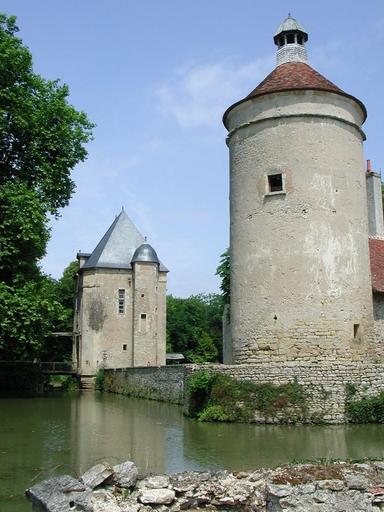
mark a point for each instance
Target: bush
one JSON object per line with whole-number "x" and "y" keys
{"x": 218, "y": 397}
{"x": 100, "y": 380}
{"x": 198, "y": 389}
{"x": 213, "y": 413}
{"x": 366, "y": 410}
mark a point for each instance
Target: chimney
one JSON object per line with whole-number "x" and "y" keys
{"x": 375, "y": 203}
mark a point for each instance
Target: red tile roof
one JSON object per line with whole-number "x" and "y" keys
{"x": 294, "y": 76}
{"x": 376, "y": 252}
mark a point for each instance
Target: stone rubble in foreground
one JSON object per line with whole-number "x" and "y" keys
{"x": 323, "y": 487}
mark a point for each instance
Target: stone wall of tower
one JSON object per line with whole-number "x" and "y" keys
{"x": 105, "y": 334}
{"x": 148, "y": 315}
{"x": 300, "y": 278}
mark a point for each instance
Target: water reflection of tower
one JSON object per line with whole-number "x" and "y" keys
{"x": 116, "y": 428}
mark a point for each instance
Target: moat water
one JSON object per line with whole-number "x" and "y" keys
{"x": 44, "y": 437}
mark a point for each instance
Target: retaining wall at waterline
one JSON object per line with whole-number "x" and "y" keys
{"x": 325, "y": 385}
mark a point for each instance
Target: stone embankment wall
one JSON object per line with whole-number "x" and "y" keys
{"x": 165, "y": 383}
{"x": 324, "y": 384}
{"x": 303, "y": 488}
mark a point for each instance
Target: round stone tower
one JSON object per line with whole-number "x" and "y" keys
{"x": 300, "y": 278}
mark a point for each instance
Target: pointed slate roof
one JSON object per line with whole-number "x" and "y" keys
{"x": 116, "y": 248}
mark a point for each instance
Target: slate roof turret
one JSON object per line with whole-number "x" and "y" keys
{"x": 118, "y": 245}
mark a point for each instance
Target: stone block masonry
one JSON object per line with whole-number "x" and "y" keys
{"x": 164, "y": 383}
{"x": 324, "y": 384}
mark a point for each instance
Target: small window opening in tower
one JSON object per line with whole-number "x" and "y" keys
{"x": 275, "y": 183}
{"x": 124, "y": 347}
{"x": 281, "y": 41}
{"x": 143, "y": 322}
{"x": 299, "y": 39}
{"x": 121, "y": 301}
{"x": 290, "y": 38}
{"x": 356, "y": 331}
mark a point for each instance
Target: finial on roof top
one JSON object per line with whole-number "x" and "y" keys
{"x": 122, "y": 208}
{"x": 290, "y": 39}
{"x": 145, "y": 238}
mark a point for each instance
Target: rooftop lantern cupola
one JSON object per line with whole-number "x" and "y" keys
{"x": 290, "y": 39}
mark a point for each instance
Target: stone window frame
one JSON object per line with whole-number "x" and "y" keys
{"x": 268, "y": 192}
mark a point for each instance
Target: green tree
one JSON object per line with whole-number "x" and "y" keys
{"x": 224, "y": 272}
{"x": 27, "y": 313}
{"x": 194, "y": 326}
{"x": 23, "y": 233}
{"x": 42, "y": 138}
{"x": 205, "y": 350}
{"x": 59, "y": 348}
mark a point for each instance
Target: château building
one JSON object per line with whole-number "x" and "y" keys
{"x": 120, "y": 310}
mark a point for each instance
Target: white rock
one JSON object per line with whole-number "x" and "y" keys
{"x": 125, "y": 474}
{"x": 279, "y": 491}
{"x": 97, "y": 475}
{"x": 104, "y": 501}
{"x": 156, "y": 482}
{"x": 157, "y": 496}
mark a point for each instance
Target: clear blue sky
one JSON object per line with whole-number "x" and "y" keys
{"x": 156, "y": 77}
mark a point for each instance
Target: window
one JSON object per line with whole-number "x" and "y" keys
{"x": 290, "y": 38}
{"x": 121, "y": 302}
{"x": 281, "y": 41}
{"x": 143, "y": 322}
{"x": 300, "y": 39}
{"x": 275, "y": 183}
{"x": 356, "y": 331}
{"x": 124, "y": 347}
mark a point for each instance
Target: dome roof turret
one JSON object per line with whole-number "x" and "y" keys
{"x": 145, "y": 253}
{"x": 289, "y": 25}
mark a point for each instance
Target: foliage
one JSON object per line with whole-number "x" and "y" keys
{"x": 213, "y": 413}
{"x": 27, "y": 311}
{"x": 65, "y": 382}
{"x": 366, "y": 410}
{"x": 219, "y": 397}
{"x": 23, "y": 232}
{"x": 350, "y": 390}
{"x": 205, "y": 350}
{"x": 199, "y": 386}
{"x": 42, "y": 138}
{"x": 224, "y": 271}
{"x": 100, "y": 379}
{"x": 194, "y": 327}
